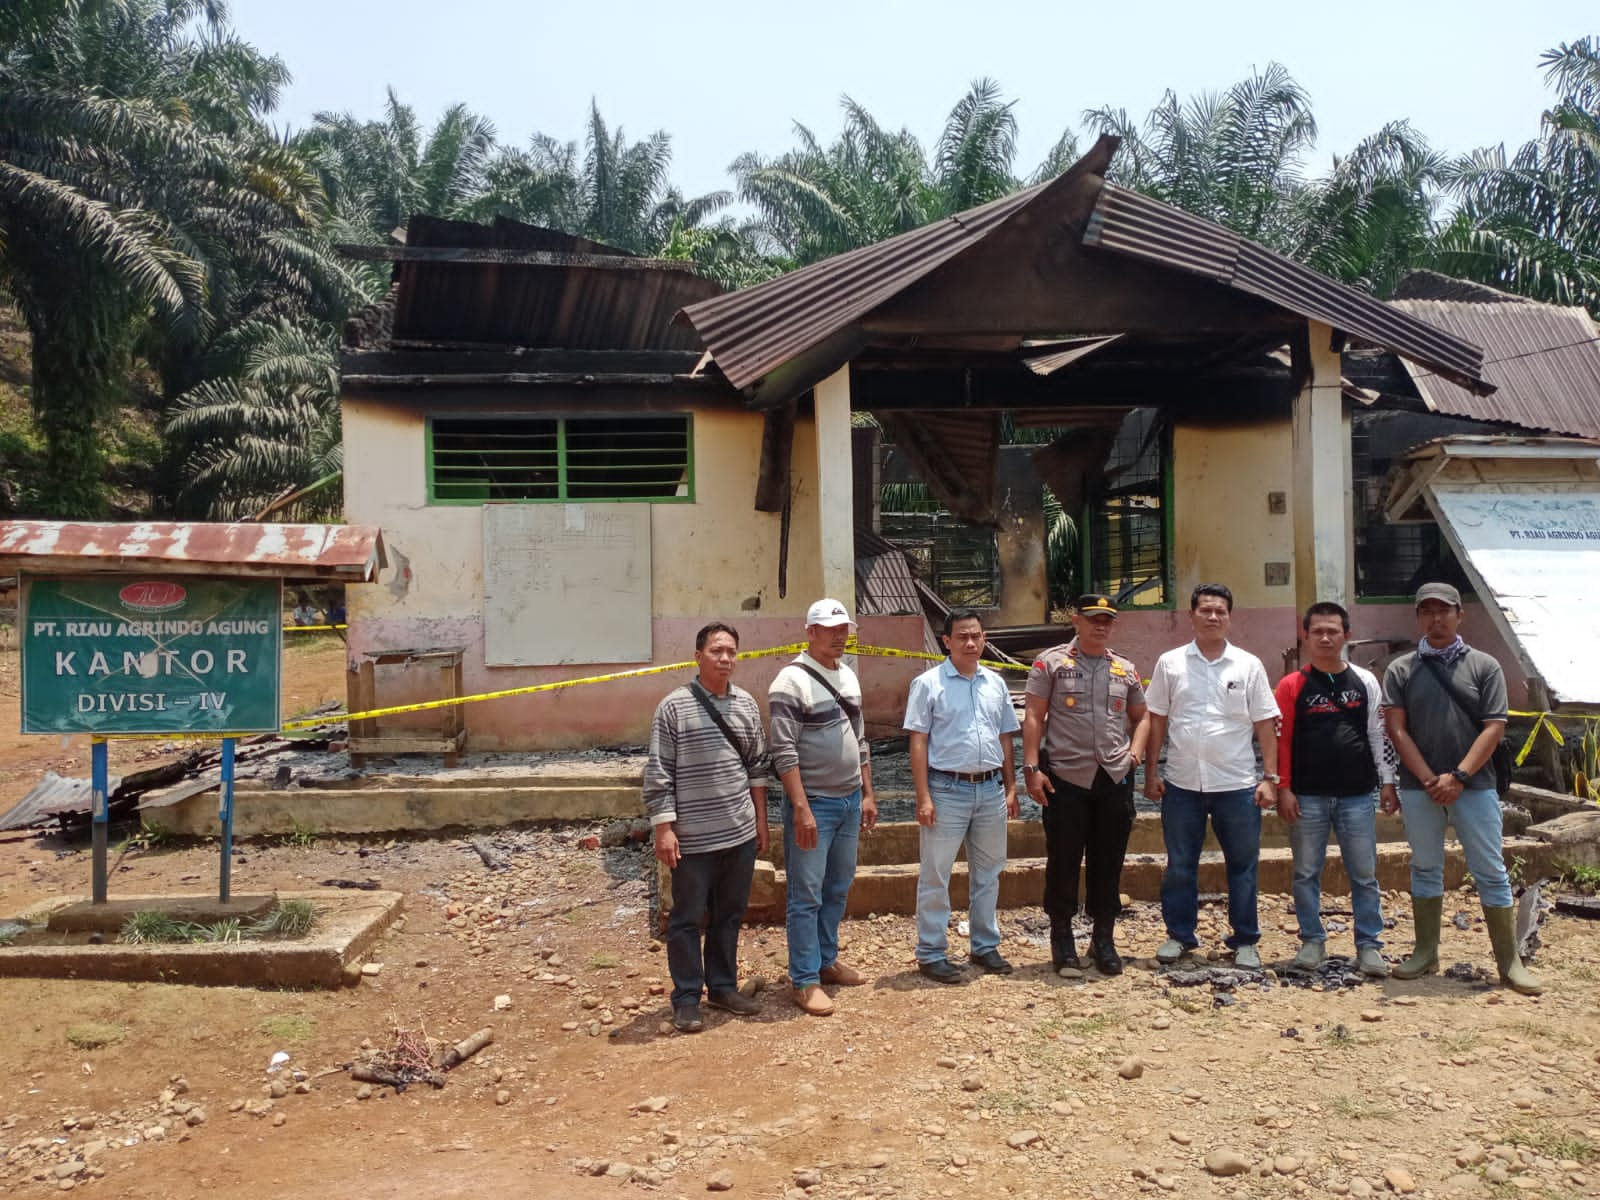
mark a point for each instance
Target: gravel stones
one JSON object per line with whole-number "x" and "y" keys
{"x": 1400, "y": 1181}
{"x": 1226, "y": 1162}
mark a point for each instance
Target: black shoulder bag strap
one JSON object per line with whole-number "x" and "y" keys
{"x": 851, "y": 709}
{"x": 721, "y": 722}
{"x": 1499, "y": 761}
{"x": 1449, "y": 688}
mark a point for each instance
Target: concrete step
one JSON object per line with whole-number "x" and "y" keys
{"x": 899, "y": 842}
{"x": 892, "y": 887}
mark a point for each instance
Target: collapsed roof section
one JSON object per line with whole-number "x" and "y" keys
{"x": 1073, "y": 258}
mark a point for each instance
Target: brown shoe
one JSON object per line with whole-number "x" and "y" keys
{"x": 812, "y": 1001}
{"x": 842, "y": 975}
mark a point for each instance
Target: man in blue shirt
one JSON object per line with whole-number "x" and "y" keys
{"x": 961, "y": 723}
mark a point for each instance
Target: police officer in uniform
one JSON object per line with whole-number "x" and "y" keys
{"x": 1083, "y": 734}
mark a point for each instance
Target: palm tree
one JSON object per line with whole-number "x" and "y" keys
{"x": 142, "y": 205}
{"x": 1372, "y": 218}
{"x": 542, "y": 185}
{"x": 380, "y": 172}
{"x": 618, "y": 193}
{"x": 1530, "y": 222}
{"x": 972, "y": 160}
{"x": 1232, "y": 157}
{"x": 265, "y": 424}
{"x": 815, "y": 201}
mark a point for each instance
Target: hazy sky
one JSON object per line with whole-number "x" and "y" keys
{"x": 723, "y": 78}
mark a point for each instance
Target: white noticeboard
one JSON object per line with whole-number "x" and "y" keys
{"x": 1538, "y": 554}
{"x": 566, "y": 583}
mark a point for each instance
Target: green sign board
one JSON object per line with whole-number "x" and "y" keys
{"x": 113, "y": 655}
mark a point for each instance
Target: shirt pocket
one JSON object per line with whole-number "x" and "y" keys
{"x": 1235, "y": 702}
{"x": 1072, "y": 693}
{"x": 1117, "y": 696}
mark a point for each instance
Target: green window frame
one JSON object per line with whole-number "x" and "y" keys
{"x": 524, "y": 459}
{"x": 1126, "y": 530}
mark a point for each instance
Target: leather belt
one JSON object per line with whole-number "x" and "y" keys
{"x": 966, "y": 776}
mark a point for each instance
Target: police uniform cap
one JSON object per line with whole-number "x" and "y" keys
{"x": 1094, "y": 604}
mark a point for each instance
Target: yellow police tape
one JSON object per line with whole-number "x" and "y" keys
{"x": 311, "y": 628}
{"x": 639, "y": 672}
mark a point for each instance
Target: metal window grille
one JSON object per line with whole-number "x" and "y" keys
{"x": 1391, "y": 560}
{"x": 1127, "y": 518}
{"x": 955, "y": 559}
{"x": 476, "y": 460}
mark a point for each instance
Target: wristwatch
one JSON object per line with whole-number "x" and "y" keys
{"x": 1029, "y": 768}
{"x": 1461, "y": 776}
{"x": 1272, "y": 778}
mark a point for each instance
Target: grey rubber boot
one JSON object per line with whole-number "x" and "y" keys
{"x": 1426, "y": 913}
{"x": 1502, "y": 923}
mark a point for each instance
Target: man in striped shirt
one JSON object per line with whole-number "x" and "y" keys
{"x": 705, "y": 788}
{"x": 819, "y": 756}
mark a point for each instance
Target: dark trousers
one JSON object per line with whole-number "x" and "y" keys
{"x": 1086, "y": 825}
{"x": 709, "y": 890}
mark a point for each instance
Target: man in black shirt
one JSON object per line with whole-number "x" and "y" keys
{"x": 1331, "y": 757}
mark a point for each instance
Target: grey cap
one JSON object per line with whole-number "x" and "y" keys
{"x": 1438, "y": 591}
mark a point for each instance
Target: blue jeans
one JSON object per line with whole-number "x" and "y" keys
{"x": 1478, "y": 823}
{"x": 976, "y": 813}
{"x": 1236, "y": 821}
{"x": 714, "y": 889}
{"x": 819, "y": 883}
{"x": 1354, "y": 820}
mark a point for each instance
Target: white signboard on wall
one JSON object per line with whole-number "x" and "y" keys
{"x": 1538, "y": 554}
{"x": 566, "y": 584}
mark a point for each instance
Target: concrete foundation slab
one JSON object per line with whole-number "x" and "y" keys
{"x": 393, "y": 809}
{"x": 85, "y": 916}
{"x": 349, "y": 926}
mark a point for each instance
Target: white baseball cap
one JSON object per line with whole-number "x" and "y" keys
{"x": 827, "y": 613}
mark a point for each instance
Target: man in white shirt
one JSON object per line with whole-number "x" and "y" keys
{"x": 1206, "y": 698}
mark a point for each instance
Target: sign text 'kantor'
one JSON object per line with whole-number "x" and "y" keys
{"x": 114, "y": 655}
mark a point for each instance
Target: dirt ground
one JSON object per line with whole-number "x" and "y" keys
{"x": 1027, "y": 1086}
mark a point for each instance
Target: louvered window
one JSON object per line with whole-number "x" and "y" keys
{"x": 479, "y": 460}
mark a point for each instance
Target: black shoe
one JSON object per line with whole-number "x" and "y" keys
{"x": 943, "y": 970}
{"x": 734, "y": 1002}
{"x": 686, "y": 1019}
{"x": 1103, "y": 949}
{"x": 1063, "y": 951}
{"x": 991, "y": 962}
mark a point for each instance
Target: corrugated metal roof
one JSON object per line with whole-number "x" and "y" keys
{"x": 749, "y": 332}
{"x": 1544, "y": 362}
{"x": 1136, "y": 225}
{"x": 574, "y": 307}
{"x": 754, "y": 331}
{"x": 351, "y": 553}
{"x": 51, "y": 797}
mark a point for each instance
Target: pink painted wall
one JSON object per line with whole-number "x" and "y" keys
{"x": 619, "y": 712}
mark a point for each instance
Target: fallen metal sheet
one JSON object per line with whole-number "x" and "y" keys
{"x": 53, "y": 796}
{"x": 176, "y": 795}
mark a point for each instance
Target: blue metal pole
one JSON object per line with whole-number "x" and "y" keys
{"x": 98, "y": 812}
{"x": 225, "y": 815}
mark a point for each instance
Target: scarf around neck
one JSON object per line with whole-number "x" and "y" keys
{"x": 1447, "y": 654}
